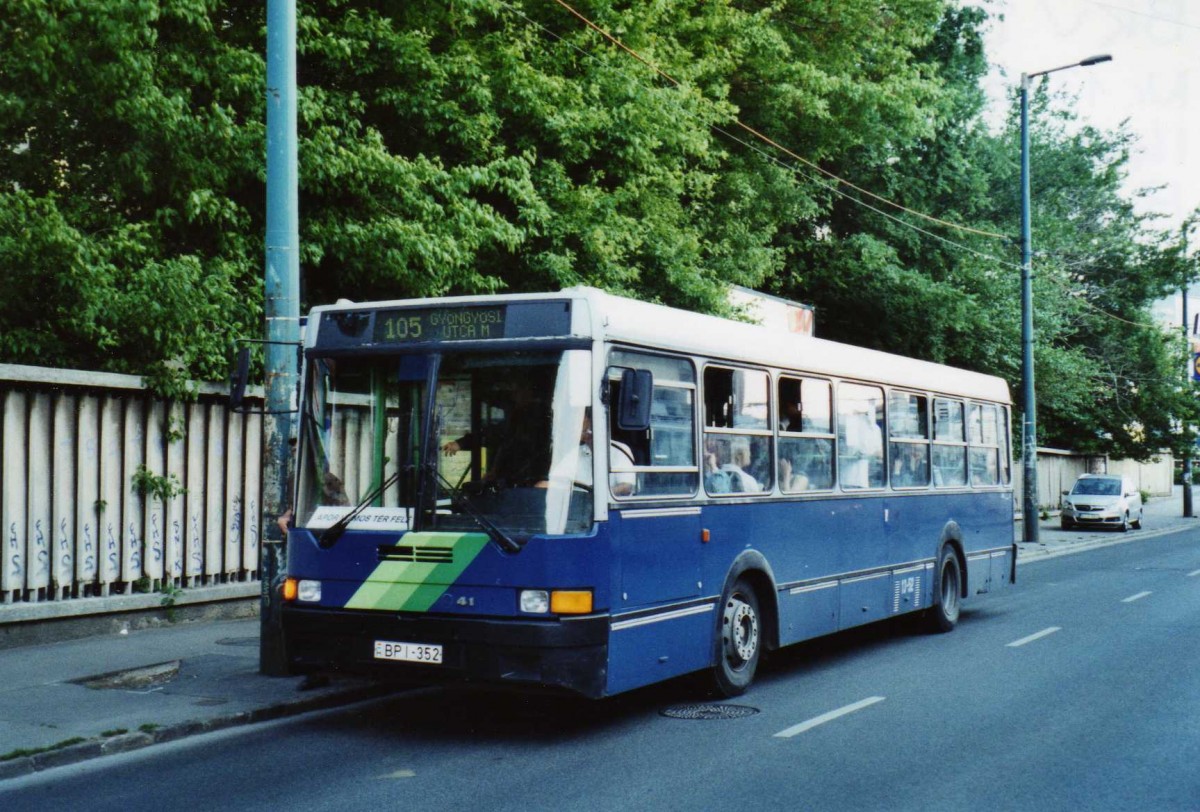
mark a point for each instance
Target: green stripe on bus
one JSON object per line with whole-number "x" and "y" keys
{"x": 414, "y": 586}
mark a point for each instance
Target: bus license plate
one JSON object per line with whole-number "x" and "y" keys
{"x": 408, "y": 652}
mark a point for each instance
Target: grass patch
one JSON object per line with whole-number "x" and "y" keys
{"x": 21, "y": 752}
{"x": 116, "y": 731}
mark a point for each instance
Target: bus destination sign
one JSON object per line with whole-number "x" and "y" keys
{"x": 440, "y": 324}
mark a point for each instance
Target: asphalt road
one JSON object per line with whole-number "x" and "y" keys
{"x": 1079, "y": 690}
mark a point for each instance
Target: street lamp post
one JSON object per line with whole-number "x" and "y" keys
{"x": 1029, "y": 401}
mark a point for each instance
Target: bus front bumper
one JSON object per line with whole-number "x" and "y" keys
{"x": 569, "y": 654}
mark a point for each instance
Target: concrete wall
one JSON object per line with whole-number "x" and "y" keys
{"x": 1058, "y": 470}
{"x": 77, "y": 529}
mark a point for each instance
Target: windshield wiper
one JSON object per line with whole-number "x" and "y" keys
{"x": 331, "y": 534}
{"x": 460, "y": 501}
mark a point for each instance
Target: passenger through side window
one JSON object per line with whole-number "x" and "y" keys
{"x": 737, "y": 431}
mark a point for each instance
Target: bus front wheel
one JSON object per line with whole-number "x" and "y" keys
{"x": 943, "y": 615}
{"x": 740, "y": 640}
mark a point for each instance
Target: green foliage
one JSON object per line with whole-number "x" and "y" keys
{"x": 170, "y": 595}
{"x": 489, "y": 145}
{"x": 146, "y": 483}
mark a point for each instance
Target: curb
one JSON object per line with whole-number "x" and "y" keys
{"x": 1031, "y": 554}
{"x": 128, "y": 742}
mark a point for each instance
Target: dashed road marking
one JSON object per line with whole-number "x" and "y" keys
{"x": 1035, "y": 636}
{"x": 1136, "y": 597}
{"x": 796, "y": 730}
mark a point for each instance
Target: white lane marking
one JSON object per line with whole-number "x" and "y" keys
{"x": 796, "y": 730}
{"x": 1136, "y": 597}
{"x": 1193, "y": 573}
{"x": 1035, "y": 636}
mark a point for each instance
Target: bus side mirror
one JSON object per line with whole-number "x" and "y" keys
{"x": 239, "y": 380}
{"x": 637, "y": 389}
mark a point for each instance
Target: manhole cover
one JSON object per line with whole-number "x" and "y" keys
{"x": 708, "y": 711}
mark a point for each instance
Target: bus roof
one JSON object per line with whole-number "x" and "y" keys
{"x": 643, "y": 324}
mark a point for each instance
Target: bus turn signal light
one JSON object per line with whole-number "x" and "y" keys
{"x": 290, "y": 589}
{"x": 570, "y": 602}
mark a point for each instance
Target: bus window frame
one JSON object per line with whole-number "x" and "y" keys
{"x": 782, "y": 434}
{"x": 837, "y": 427}
{"x": 767, "y": 432}
{"x": 906, "y": 440}
{"x": 982, "y": 407}
{"x": 960, "y": 444}
{"x": 612, "y": 374}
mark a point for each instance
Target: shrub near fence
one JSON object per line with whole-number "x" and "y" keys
{"x": 107, "y": 489}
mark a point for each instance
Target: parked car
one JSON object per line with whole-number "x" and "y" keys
{"x": 1102, "y": 500}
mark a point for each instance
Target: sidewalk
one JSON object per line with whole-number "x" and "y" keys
{"x": 65, "y": 702}
{"x": 1163, "y": 515}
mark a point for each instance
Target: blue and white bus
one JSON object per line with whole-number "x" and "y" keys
{"x": 579, "y": 491}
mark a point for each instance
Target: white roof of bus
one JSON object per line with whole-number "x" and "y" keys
{"x": 619, "y": 319}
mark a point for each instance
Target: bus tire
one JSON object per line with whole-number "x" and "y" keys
{"x": 947, "y": 592}
{"x": 739, "y": 640}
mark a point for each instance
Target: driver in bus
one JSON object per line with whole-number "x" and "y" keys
{"x": 621, "y": 483}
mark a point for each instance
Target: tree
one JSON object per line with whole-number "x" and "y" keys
{"x": 490, "y": 145}
{"x": 131, "y": 138}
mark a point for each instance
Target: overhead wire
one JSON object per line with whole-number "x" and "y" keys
{"x": 767, "y": 140}
{"x": 837, "y": 181}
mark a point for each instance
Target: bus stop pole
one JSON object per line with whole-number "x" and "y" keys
{"x": 282, "y": 313}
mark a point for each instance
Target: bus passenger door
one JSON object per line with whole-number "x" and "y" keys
{"x": 659, "y": 554}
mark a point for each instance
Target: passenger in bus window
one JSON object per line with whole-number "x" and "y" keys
{"x": 791, "y": 417}
{"x": 731, "y": 458}
{"x": 790, "y": 479}
{"x": 910, "y": 465}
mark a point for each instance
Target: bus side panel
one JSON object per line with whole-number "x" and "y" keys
{"x": 915, "y": 525}
{"x": 659, "y": 556}
{"x": 807, "y": 612}
{"x": 865, "y": 599}
{"x": 652, "y": 648}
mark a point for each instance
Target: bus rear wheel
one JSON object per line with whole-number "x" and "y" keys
{"x": 943, "y": 615}
{"x": 740, "y": 640}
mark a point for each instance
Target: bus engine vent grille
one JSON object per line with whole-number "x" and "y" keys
{"x": 420, "y": 555}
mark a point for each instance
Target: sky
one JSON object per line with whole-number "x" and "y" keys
{"x": 1153, "y": 80}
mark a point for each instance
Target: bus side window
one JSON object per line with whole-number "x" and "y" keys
{"x": 737, "y": 431}
{"x": 805, "y": 435}
{"x": 860, "y": 430}
{"x": 984, "y": 437}
{"x": 908, "y": 433}
{"x": 949, "y": 444}
{"x": 664, "y": 456}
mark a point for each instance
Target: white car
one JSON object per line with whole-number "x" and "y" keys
{"x": 1102, "y": 500}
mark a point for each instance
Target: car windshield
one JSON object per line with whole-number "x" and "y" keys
{"x": 1097, "y": 487}
{"x": 501, "y": 450}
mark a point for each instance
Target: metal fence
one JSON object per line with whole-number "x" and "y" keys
{"x": 107, "y": 489}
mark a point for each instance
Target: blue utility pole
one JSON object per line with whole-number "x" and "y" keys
{"x": 282, "y": 306}
{"x": 1029, "y": 505}
{"x": 1187, "y": 338}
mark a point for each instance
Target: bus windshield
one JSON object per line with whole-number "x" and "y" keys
{"x": 504, "y": 445}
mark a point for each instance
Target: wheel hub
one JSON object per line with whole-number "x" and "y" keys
{"x": 741, "y": 631}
